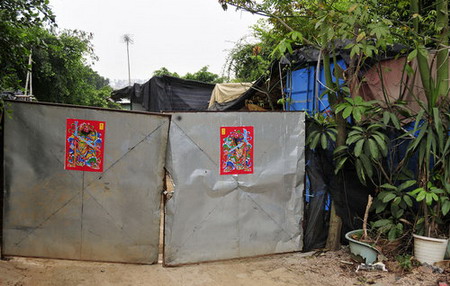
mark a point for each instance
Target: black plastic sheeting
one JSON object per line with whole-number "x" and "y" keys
{"x": 126, "y": 92}
{"x": 166, "y": 93}
{"x": 347, "y": 192}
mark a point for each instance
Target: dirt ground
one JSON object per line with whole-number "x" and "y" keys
{"x": 329, "y": 268}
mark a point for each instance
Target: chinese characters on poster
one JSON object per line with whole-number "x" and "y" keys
{"x": 236, "y": 150}
{"x": 85, "y": 141}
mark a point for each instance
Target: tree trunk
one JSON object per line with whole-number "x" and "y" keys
{"x": 335, "y": 228}
{"x": 422, "y": 60}
{"x": 442, "y": 54}
{"x": 334, "y": 231}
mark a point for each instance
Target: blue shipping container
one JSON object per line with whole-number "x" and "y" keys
{"x": 301, "y": 88}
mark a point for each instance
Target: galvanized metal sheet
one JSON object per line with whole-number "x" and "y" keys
{"x": 57, "y": 213}
{"x": 212, "y": 216}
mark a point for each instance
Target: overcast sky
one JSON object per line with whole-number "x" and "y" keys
{"x": 178, "y": 34}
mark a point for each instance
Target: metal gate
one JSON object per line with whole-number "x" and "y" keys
{"x": 213, "y": 216}
{"x": 51, "y": 212}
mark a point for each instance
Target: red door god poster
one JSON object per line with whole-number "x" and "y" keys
{"x": 85, "y": 141}
{"x": 236, "y": 150}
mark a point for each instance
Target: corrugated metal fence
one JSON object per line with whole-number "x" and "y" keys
{"x": 104, "y": 216}
{"x": 213, "y": 216}
{"x": 114, "y": 215}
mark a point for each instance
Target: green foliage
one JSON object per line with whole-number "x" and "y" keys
{"x": 407, "y": 262}
{"x": 202, "y": 75}
{"x": 321, "y": 133}
{"x": 164, "y": 71}
{"x": 389, "y": 228}
{"x": 367, "y": 146}
{"x": 355, "y": 107}
{"x": 18, "y": 18}
{"x": 250, "y": 56}
{"x": 392, "y": 204}
{"x": 369, "y": 28}
{"x": 61, "y": 72}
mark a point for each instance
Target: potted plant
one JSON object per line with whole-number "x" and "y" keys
{"x": 431, "y": 142}
{"x": 370, "y": 149}
{"x": 431, "y": 238}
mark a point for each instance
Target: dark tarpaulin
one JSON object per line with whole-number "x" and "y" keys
{"x": 347, "y": 193}
{"x": 166, "y": 93}
{"x": 126, "y": 92}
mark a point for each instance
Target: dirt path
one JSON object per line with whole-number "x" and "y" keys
{"x": 290, "y": 269}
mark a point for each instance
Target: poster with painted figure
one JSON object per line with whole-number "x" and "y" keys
{"x": 85, "y": 142}
{"x": 236, "y": 150}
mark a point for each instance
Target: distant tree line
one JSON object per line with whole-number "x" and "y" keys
{"x": 61, "y": 70}
{"x": 202, "y": 75}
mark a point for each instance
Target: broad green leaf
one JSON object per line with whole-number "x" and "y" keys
{"x": 355, "y": 51}
{"x": 397, "y": 201}
{"x": 381, "y": 222}
{"x": 375, "y": 126}
{"x": 380, "y": 208}
{"x": 412, "y": 55}
{"x": 398, "y": 214}
{"x": 428, "y": 199}
{"x": 340, "y": 164}
{"x": 423, "y": 51}
{"x": 381, "y": 144}
{"x": 354, "y": 132}
{"x": 315, "y": 141}
{"x": 382, "y": 194}
{"x": 416, "y": 191}
{"x": 332, "y": 135}
{"x": 311, "y": 136}
{"x": 324, "y": 141}
{"x": 358, "y": 100}
{"x": 345, "y": 89}
{"x": 360, "y": 172}
{"x": 389, "y": 197}
{"x": 388, "y": 186}
{"x": 367, "y": 165}
{"x": 347, "y": 111}
{"x": 395, "y": 121}
{"x": 296, "y": 35}
{"x": 423, "y": 131}
{"x": 353, "y": 139}
{"x": 438, "y": 126}
{"x": 418, "y": 119}
{"x": 373, "y": 149}
{"x": 392, "y": 235}
{"x": 358, "y": 147}
{"x": 407, "y": 200}
{"x": 421, "y": 196}
{"x": 386, "y": 117}
{"x": 340, "y": 107}
{"x": 409, "y": 70}
{"x": 406, "y": 185}
{"x": 357, "y": 114}
{"x": 445, "y": 208}
{"x": 340, "y": 149}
